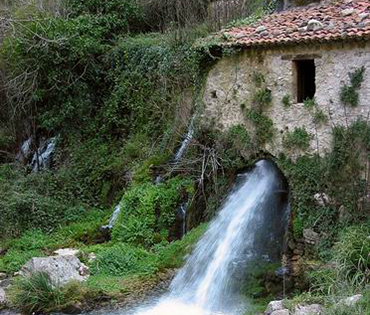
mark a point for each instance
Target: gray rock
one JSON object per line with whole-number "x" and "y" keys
{"x": 314, "y": 25}
{"x": 313, "y": 309}
{"x": 67, "y": 252}
{"x": 351, "y": 301}
{"x": 347, "y": 12}
{"x": 2, "y": 276}
{"x": 310, "y": 236}
{"x": 61, "y": 269}
{"x": 261, "y": 29}
{"x": 274, "y": 306}
{"x": 3, "y": 298}
{"x": 280, "y": 312}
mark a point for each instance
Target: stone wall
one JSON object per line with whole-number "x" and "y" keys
{"x": 230, "y": 88}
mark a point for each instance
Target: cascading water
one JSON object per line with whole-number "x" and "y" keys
{"x": 250, "y": 226}
{"x": 185, "y": 143}
{"x": 113, "y": 219}
{"x": 44, "y": 155}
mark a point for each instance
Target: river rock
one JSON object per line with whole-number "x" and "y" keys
{"x": 313, "y": 309}
{"x": 67, "y": 252}
{"x": 3, "y": 298}
{"x": 61, "y": 269}
{"x": 280, "y": 312}
{"x": 351, "y": 301}
{"x": 310, "y": 236}
{"x": 274, "y": 306}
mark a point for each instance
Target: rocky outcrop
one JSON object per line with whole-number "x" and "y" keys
{"x": 61, "y": 269}
{"x": 351, "y": 301}
{"x": 313, "y": 309}
{"x": 277, "y": 308}
{"x": 274, "y": 306}
{"x": 3, "y": 298}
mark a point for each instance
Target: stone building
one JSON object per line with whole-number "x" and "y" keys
{"x": 294, "y": 67}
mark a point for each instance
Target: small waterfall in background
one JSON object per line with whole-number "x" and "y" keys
{"x": 185, "y": 143}
{"x": 181, "y": 214}
{"x": 113, "y": 219}
{"x": 250, "y": 226}
{"x": 25, "y": 151}
{"x": 43, "y": 157}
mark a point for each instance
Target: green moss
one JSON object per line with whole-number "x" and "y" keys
{"x": 149, "y": 212}
{"x": 349, "y": 93}
{"x": 299, "y": 138}
{"x": 319, "y": 118}
{"x": 286, "y": 101}
{"x": 309, "y": 103}
{"x": 263, "y": 124}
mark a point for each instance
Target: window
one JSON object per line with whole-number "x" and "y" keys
{"x": 305, "y": 79}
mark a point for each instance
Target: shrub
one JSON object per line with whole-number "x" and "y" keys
{"x": 37, "y": 294}
{"x": 297, "y": 139}
{"x": 122, "y": 260}
{"x": 351, "y": 253}
{"x": 309, "y": 103}
{"x": 148, "y": 212}
{"x": 263, "y": 124}
{"x": 349, "y": 93}
{"x": 319, "y": 117}
{"x": 286, "y": 101}
{"x": 262, "y": 98}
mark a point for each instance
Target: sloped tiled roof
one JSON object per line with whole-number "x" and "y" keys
{"x": 342, "y": 20}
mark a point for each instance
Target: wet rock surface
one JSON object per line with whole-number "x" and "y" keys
{"x": 61, "y": 269}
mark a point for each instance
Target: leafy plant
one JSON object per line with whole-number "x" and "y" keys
{"x": 319, "y": 117}
{"x": 37, "y": 294}
{"x": 309, "y": 103}
{"x": 286, "y": 101}
{"x": 349, "y": 93}
{"x": 263, "y": 125}
{"x": 299, "y": 138}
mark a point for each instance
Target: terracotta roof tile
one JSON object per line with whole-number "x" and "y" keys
{"x": 306, "y": 24}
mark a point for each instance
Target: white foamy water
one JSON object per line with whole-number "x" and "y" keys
{"x": 206, "y": 284}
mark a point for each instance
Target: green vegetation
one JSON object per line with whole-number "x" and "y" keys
{"x": 149, "y": 212}
{"x": 299, "y": 138}
{"x": 111, "y": 79}
{"x": 286, "y": 101}
{"x": 349, "y": 93}
{"x": 263, "y": 124}
{"x": 309, "y": 103}
{"x": 37, "y": 294}
{"x": 319, "y": 117}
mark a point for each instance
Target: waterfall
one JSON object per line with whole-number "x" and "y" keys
{"x": 249, "y": 226}
{"x": 185, "y": 143}
{"x": 113, "y": 218}
{"x": 44, "y": 155}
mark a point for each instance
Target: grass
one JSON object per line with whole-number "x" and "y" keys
{"x": 37, "y": 294}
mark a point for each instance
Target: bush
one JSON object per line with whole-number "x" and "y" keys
{"x": 148, "y": 212}
{"x": 264, "y": 126}
{"x": 297, "y": 139}
{"x": 351, "y": 254}
{"x": 123, "y": 260}
{"x": 37, "y": 294}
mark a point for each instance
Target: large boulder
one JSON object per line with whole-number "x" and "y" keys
{"x": 274, "y": 306}
{"x": 61, "y": 269}
{"x": 313, "y": 309}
